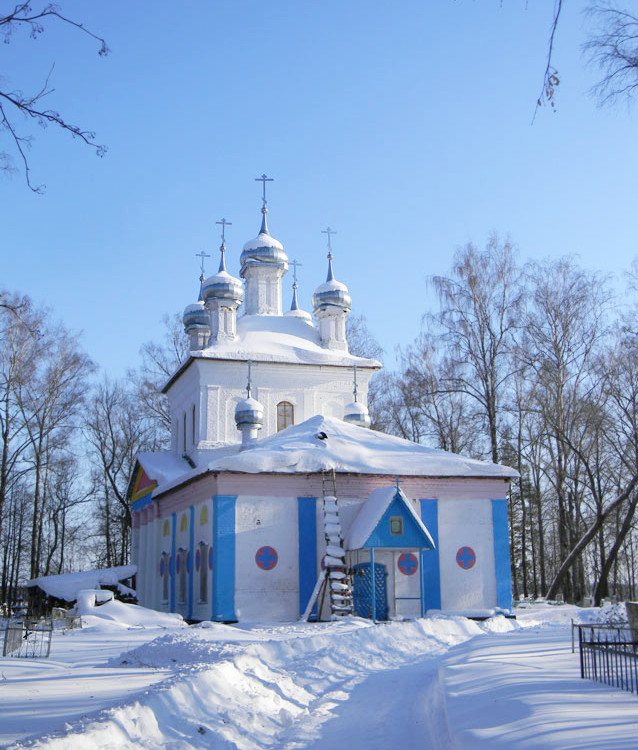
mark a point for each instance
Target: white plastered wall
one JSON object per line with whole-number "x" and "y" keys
{"x": 466, "y": 523}
{"x": 215, "y": 387}
{"x": 266, "y": 594}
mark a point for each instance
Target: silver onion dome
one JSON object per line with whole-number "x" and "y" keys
{"x": 357, "y": 414}
{"x": 264, "y": 249}
{"x": 222, "y": 285}
{"x": 196, "y": 317}
{"x": 249, "y": 413}
{"x": 331, "y": 293}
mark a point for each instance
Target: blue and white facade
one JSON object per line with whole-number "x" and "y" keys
{"x": 230, "y": 524}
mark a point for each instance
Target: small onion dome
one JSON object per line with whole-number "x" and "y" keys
{"x": 222, "y": 285}
{"x": 295, "y": 311}
{"x": 264, "y": 250}
{"x": 249, "y": 413}
{"x": 331, "y": 293}
{"x": 196, "y": 317}
{"x": 357, "y": 414}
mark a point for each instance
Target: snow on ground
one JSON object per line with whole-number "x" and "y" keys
{"x": 441, "y": 682}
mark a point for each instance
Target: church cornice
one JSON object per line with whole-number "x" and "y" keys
{"x": 362, "y": 363}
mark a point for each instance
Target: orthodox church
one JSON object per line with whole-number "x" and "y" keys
{"x": 277, "y": 501}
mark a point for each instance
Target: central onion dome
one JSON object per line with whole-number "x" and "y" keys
{"x": 264, "y": 250}
{"x": 331, "y": 293}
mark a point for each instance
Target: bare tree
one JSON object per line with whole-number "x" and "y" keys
{"x": 50, "y": 403}
{"x": 19, "y": 324}
{"x": 34, "y": 18}
{"x": 427, "y": 409}
{"x": 116, "y": 432}
{"x": 160, "y": 360}
{"x": 613, "y": 48}
{"x": 563, "y": 328}
{"x": 479, "y": 314}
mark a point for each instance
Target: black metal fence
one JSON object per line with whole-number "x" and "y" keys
{"x": 609, "y": 654}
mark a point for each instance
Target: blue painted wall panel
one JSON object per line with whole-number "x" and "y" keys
{"x": 502, "y": 567}
{"x": 430, "y": 564}
{"x": 307, "y": 523}
{"x": 224, "y": 558}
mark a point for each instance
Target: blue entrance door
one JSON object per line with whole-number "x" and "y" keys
{"x": 362, "y": 591}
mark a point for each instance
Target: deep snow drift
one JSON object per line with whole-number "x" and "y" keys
{"x": 425, "y": 683}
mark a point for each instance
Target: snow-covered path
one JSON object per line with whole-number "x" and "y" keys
{"x": 441, "y": 683}
{"x": 396, "y": 708}
{"x": 523, "y": 689}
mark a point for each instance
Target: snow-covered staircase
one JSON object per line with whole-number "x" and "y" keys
{"x": 335, "y": 560}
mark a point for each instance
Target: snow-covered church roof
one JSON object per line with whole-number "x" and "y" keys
{"x": 303, "y": 449}
{"x": 275, "y": 338}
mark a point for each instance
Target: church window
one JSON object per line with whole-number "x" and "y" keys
{"x": 193, "y": 415}
{"x": 183, "y": 524}
{"x": 203, "y": 572}
{"x": 184, "y": 432}
{"x": 396, "y": 525}
{"x": 285, "y": 415}
{"x": 203, "y": 516}
{"x": 165, "y": 574}
{"x": 166, "y": 529}
{"x": 181, "y": 563}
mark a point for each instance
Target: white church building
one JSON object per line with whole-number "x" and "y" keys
{"x": 277, "y": 500}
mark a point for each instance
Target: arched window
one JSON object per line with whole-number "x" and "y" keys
{"x": 181, "y": 572}
{"x": 193, "y": 431}
{"x": 165, "y": 574}
{"x": 184, "y": 432}
{"x": 285, "y": 415}
{"x": 203, "y": 572}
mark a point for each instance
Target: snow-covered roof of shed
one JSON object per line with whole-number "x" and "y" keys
{"x": 279, "y": 338}
{"x": 67, "y": 585}
{"x": 371, "y": 513}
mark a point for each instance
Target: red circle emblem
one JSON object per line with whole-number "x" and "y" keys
{"x": 408, "y": 564}
{"x": 465, "y": 558}
{"x": 266, "y": 558}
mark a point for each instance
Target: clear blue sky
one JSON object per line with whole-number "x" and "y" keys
{"x": 404, "y": 126}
